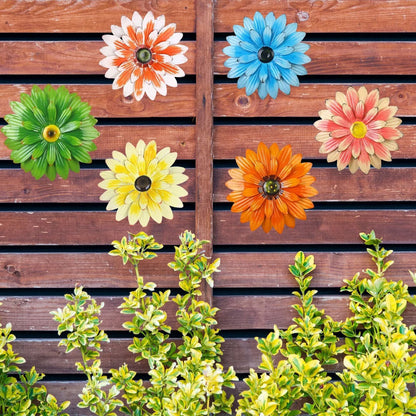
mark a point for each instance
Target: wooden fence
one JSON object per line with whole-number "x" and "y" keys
{"x": 54, "y": 235}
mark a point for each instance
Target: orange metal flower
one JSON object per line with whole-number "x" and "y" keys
{"x": 358, "y": 129}
{"x": 143, "y": 55}
{"x": 271, "y": 187}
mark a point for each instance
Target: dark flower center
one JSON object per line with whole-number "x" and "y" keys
{"x": 265, "y": 54}
{"x": 270, "y": 187}
{"x": 143, "y": 183}
{"x": 144, "y": 55}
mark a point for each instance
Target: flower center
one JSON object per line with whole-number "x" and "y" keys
{"x": 358, "y": 129}
{"x": 271, "y": 187}
{"x": 144, "y": 55}
{"x": 51, "y": 133}
{"x": 265, "y": 54}
{"x": 143, "y": 183}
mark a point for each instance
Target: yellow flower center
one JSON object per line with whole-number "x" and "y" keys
{"x": 358, "y": 129}
{"x": 51, "y": 133}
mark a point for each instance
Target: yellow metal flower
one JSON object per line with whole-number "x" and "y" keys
{"x": 143, "y": 184}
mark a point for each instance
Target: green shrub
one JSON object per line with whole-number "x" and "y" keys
{"x": 20, "y": 391}
{"x": 375, "y": 345}
{"x": 184, "y": 379}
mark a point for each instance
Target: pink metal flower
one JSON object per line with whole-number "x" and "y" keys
{"x": 358, "y": 129}
{"x": 143, "y": 56}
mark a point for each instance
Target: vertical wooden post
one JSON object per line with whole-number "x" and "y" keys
{"x": 204, "y": 128}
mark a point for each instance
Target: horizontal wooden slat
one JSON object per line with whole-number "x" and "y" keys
{"x": 51, "y": 359}
{"x": 69, "y": 390}
{"x": 78, "y": 187}
{"x": 32, "y": 313}
{"x": 100, "y": 228}
{"x": 322, "y": 227}
{"x": 180, "y": 139}
{"x": 229, "y": 140}
{"x": 324, "y": 16}
{"x": 71, "y": 16}
{"x": 303, "y": 101}
{"x": 100, "y": 270}
{"x": 82, "y": 228}
{"x": 63, "y": 57}
{"x": 106, "y": 102}
{"x": 348, "y": 58}
{"x": 233, "y": 140}
{"x": 398, "y": 184}
{"x": 245, "y": 312}
{"x": 341, "y": 16}
{"x": 327, "y": 58}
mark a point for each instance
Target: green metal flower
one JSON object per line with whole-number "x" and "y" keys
{"x": 50, "y": 132}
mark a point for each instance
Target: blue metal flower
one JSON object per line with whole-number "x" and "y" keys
{"x": 266, "y": 55}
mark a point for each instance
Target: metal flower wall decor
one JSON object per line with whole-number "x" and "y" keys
{"x": 143, "y": 184}
{"x": 266, "y": 55}
{"x": 271, "y": 188}
{"x": 50, "y": 132}
{"x": 358, "y": 129}
{"x": 143, "y": 55}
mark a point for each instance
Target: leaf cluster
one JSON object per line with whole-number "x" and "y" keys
{"x": 373, "y": 347}
{"x": 21, "y": 394}
{"x": 185, "y": 375}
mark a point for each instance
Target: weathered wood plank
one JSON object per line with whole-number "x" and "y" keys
{"x": 348, "y": 58}
{"x": 398, "y": 184}
{"x": 92, "y": 16}
{"x": 99, "y": 270}
{"x": 340, "y": 16}
{"x": 180, "y": 139}
{"x": 245, "y": 312}
{"x": 304, "y": 101}
{"x": 204, "y": 129}
{"x": 82, "y": 228}
{"x": 328, "y": 57}
{"x": 233, "y": 140}
{"x": 322, "y": 227}
{"x": 63, "y": 57}
{"x": 78, "y": 187}
{"x": 51, "y": 359}
{"x": 324, "y": 16}
{"x": 106, "y": 102}
{"x": 229, "y": 140}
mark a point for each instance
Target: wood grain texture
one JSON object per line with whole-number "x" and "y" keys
{"x": 73, "y": 16}
{"x": 63, "y": 57}
{"x": 180, "y": 139}
{"x": 322, "y": 227}
{"x": 79, "y": 187}
{"x": 204, "y": 129}
{"x": 348, "y": 58}
{"x": 245, "y": 312}
{"x": 398, "y": 184}
{"x": 97, "y": 16}
{"x": 99, "y": 270}
{"x": 100, "y": 228}
{"x": 233, "y": 140}
{"x": 327, "y": 58}
{"x": 303, "y": 101}
{"x": 82, "y": 228}
{"x": 267, "y": 269}
{"x": 106, "y": 102}
{"x": 324, "y": 16}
